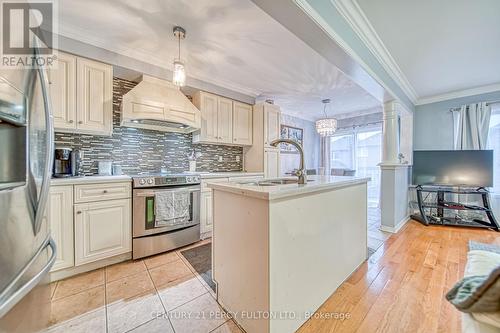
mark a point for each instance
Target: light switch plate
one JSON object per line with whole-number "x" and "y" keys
{"x": 219, "y": 158}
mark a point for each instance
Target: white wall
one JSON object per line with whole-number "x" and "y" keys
{"x": 288, "y": 162}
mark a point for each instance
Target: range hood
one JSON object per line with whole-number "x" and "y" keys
{"x": 159, "y": 105}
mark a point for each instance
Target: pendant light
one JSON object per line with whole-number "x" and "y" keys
{"x": 326, "y": 126}
{"x": 179, "y": 72}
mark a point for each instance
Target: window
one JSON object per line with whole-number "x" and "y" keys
{"x": 360, "y": 150}
{"x": 494, "y": 143}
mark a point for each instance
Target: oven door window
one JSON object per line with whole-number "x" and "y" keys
{"x": 150, "y": 211}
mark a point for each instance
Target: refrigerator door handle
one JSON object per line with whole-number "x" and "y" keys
{"x": 49, "y": 124}
{"x": 15, "y": 297}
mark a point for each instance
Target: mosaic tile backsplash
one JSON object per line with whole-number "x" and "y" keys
{"x": 143, "y": 151}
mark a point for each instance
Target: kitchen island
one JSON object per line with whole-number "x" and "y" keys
{"x": 280, "y": 249}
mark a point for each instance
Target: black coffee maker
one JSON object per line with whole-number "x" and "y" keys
{"x": 67, "y": 162}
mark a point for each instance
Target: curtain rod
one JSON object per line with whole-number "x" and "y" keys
{"x": 364, "y": 125}
{"x": 487, "y": 103}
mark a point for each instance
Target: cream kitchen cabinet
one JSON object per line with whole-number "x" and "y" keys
{"x": 91, "y": 224}
{"x": 94, "y": 91}
{"x": 62, "y": 86}
{"x": 242, "y": 124}
{"x": 102, "y": 230}
{"x": 271, "y": 124}
{"x": 206, "y": 214}
{"x": 82, "y": 95}
{"x": 223, "y": 121}
{"x": 261, "y": 156}
{"x": 208, "y": 104}
{"x": 271, "y": 163}
{"x": 60, "y": 216}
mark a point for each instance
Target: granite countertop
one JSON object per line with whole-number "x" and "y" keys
{"x": 315, "y": 184}
{"x": 90, "y": 180}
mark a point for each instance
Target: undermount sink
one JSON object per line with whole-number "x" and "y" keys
{"x": 273, "y": 182}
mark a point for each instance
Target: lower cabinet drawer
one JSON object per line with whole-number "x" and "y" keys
{"x": 99, "y": 192}
{"x": 102, "y": 230}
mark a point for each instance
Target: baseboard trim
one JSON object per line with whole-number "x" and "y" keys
{"x": 398, "y": 226}
{"x": 70, "y": 271}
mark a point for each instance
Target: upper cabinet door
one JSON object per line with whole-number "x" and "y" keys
{"x": 271, "y": 125}
{"x": 225, "y": 120}
{"x": 208, "y": 108}
{"x": 62, "y": 85}
{"x": 242, "y": 124}
{"x": 95, "y": 97}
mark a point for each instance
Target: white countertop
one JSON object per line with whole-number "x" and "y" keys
{"x": 314, "y": 184}
{"x": 110, "y": 179}
{"x": 89, "y": 180}
{"x": 228, "y": 174}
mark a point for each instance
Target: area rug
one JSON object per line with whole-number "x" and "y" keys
{"x": 200, "y": 258}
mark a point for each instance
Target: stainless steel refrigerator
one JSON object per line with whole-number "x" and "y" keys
{"x": 27, "y": 252}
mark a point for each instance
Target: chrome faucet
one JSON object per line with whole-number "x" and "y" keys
{"x": 301, "y": 172}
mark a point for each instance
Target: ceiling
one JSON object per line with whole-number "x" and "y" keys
{"x": 441, "y": 46}
{"x": 230, "y": 43}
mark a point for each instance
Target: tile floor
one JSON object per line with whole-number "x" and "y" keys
{"x": 163, "y": 293}
{"x": 159, "y": 294}
{"x": 376, "y": 237}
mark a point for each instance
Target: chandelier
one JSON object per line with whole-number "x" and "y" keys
{"x": 179, "y": 72}
{"x": 326, "y": 126}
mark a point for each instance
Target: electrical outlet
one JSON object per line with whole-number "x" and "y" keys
{"x": 219, "y": 158}
{"x": 237, "y": 158}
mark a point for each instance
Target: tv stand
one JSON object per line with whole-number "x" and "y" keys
{"x": 441, "y": 205}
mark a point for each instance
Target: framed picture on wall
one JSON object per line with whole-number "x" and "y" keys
{"x": 293, "y": 133}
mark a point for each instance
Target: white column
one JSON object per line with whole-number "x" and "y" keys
{"x": 390, "y": 148}
{"x": 394, "y": 175}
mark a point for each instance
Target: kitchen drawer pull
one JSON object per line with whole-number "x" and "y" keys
{"x": 105, "y": 191}
{"x": 71, "y": 121}
{"x": 80, "y": 122}
{"x": 79, "y": 212}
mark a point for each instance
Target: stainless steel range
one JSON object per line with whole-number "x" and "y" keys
{"x": 150, "y": 237}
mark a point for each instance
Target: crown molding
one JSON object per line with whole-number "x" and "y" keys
{"x": 67, "y": 30}
{"x": 459, "y": 94}
{"x": 356, "y": 18}
{"x": 330, "y": 32}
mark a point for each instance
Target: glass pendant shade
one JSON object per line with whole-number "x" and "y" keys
{"x": 179, "y": 73}
{"x": 326, "y": 126}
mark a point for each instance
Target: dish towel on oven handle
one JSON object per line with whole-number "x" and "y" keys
{"x": 171, "y": 208}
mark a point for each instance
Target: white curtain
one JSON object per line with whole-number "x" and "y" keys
{"x": 472, "y": 126}
{"x": 324, "y": 155}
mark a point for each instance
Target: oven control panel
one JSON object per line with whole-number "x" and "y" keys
{"x": 171, "y": 180}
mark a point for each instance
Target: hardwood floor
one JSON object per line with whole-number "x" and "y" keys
{"x": 401, "y": 287}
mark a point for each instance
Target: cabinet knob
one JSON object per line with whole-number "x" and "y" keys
{"x": 71, "y": 121}
{"x": 79, "y": 212}
{"x": 80, "y": 122}
{"x": 105, "y": 191}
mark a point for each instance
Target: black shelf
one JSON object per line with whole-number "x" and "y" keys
{"x": 452, "y": 221}
{"x": 453, "y": 191}
{"x": 481, "y": 209}
{"x": 441, "y": 205}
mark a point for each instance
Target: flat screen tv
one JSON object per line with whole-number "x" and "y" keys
{"x": 473, "y": 168}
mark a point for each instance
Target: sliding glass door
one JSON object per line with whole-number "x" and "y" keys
{"x": 359, "y": 150}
